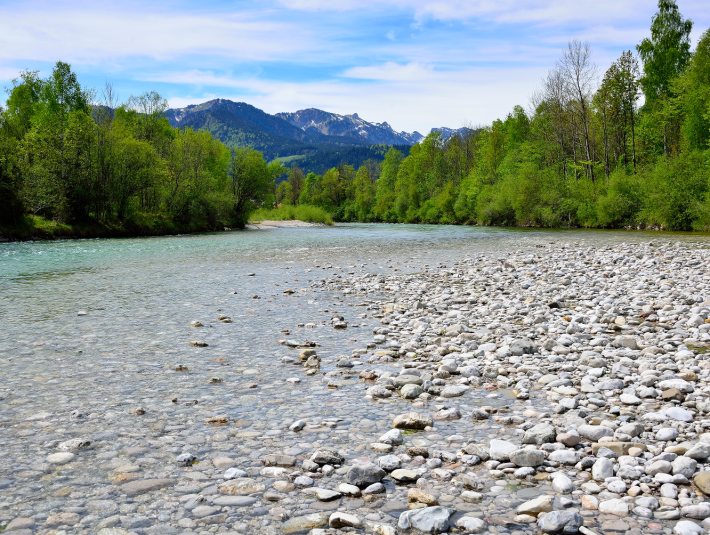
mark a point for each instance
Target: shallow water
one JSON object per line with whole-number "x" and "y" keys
{"x": 141, "y": 295}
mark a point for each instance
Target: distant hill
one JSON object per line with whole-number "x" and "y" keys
{"x": 314, "y": 139}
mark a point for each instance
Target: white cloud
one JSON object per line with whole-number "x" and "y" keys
{"x": 114, "y": 34}
{"x": 413, "y": 98}
{"x": 541, "y": 12}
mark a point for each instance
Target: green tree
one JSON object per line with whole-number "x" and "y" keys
{"x": 252, "y": 180}
{"x": 665, "y": 55}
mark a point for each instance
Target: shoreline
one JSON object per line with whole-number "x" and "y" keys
{"x": 21, "y": 233}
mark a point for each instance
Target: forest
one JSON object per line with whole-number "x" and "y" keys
{"x": 75, "y": 163}
{"x": 623, "y": 148}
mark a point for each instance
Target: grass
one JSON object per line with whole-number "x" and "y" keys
{"x": 302, "y": 212}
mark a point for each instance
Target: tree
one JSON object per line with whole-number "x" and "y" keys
{"x": 664, "y": 57}
{"x": 692, "y": 97}
{"x": 667, "y": 52}
{"x": 579, "y": 74}
{"x": 295, "y": 180}
{"x": 252, "y": 179}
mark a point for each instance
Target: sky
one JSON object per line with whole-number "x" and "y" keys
{"x": 416, "y": 64}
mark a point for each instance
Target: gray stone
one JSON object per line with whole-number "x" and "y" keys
{"x": 559, "y": 521}
{"x": 425, "y": 520}
{"x": 594, "y": 432}
{"x": 364, "y": 474}
{"x": 500, "y": 450}
{"x": 527, "y": 457}
{"x": 602, "y": 469}
{"x": 410, "y": 391}
{"x": 413, "y": 420}
{"x": 542, "y": 433}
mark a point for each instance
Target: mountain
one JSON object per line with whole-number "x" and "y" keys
{"x": 332, "y": 124}
{"x": 446, "y": 133}
{"x": 314, "y": 139}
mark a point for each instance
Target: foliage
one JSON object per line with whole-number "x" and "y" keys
{"x": 68, "y": 161}
{"x": 303, "y": 212}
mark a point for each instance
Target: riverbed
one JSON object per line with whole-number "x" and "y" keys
{"x": 98, "y": 348}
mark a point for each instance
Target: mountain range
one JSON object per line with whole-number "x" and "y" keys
{"x": 312, "y": 138}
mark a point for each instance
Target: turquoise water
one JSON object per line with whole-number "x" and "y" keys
{"x": 49, "y": 280}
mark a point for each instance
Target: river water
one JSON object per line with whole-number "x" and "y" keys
{"x": 80, "y": 376}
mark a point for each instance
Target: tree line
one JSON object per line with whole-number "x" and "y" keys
{"x": 70, "y": 157}
{"x": 626, "y": 148}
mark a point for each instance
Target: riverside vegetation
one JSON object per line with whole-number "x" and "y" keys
{"x": 72, "y": 167}
{"x": 583, "y": 155}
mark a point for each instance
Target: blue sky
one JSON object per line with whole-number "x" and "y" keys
{"x": 416, "y": 64}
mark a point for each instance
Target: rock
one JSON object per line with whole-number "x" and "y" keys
{"x": 362, "y": 475}
{"x": 141, "y": 486}
{"x": 447, "y": 415}
{"x": 471, "y": 497}
{"x": 620, "y": 448}
{"x": 411, "y": 391}
{"x": 60, "y": 458}
{"x": 614, "y": 506}
{"x": 325, "y": 456}
{"x": 426, "y": 520}
{"x": 412, "y": 420}
{"x": 686, "y": 527}
{"x": 274, "y": 459}
{"x": 60, "y": 519}
{"x": 405, "y": 476}
{"x": 480, "y": 414}
{"x": 454, "y": 391}
{"x": 542, "y": 433}
{"x": 602, "y": 469}
{"x": 378, "y": 392}
{"x": 241, "y": 486}
{"x": 500, "y": 450}
{"x": 349, "y": 490}
{"x": 699, "y": 511}
{"x": 415, "y": 495}
{"x": 594, "y": 432}
{"x": 304, "y": 523}
{"x": 389, "y": 462}
{"x": 561, "y": 483}
{"x": 234, "y": 473}
{"x": 678, "y": 413}
{"x": 234, "y": 501}
{"x": 683, "y": 386}
{"x": 523, "y": 346}
{"x": 527, "y": 457}
{"x": 564, "y": 457}
{"x": 344, "y": 520}
{"x": 628, "y": 399}
{"x": 541, "y": 504}
{"x": 560, "y": 521}
{"x": 568, "y": 438}
{"x": 20, "y": 523}
{"x": 75, "y": 444}
{"x": 470, "y": 524}
{"x": 699, "y": 452}
{"x": 684, "y": 466}
{"x": 393, "y": 437}
{"x": 666, "y": 434}
{"x": 702, "y": 481}
{"x": 375, "y": 488}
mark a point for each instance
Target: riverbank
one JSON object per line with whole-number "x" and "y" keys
{"x": 38, "y": 229}
{"x": 542, "y": 385}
